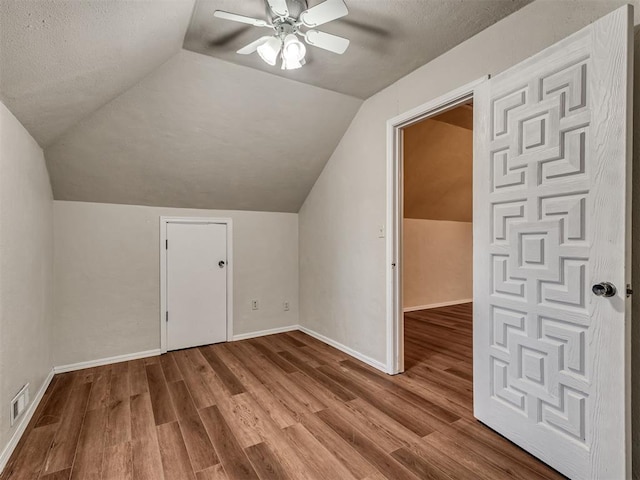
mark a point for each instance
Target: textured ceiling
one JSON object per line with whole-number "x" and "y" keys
{"x": 438, "y": 167}
{"x": 203, "y": 133}
{"x": 125, "y": 115}
{"x": 389, "y": 38}
{"x": 61, "y": 60}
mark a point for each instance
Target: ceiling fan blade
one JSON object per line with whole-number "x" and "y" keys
{"x": 327, "y": 41}
{"x": 323, "y": 13}
{"x": 240, "y": 18}
{"x": 253, "y": 46}
{"x": 279, "y": 7}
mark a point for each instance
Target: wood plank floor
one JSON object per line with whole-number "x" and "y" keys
{"x": 280, "y": 407}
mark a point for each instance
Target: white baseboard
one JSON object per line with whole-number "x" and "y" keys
{"x": 263, "y": 333}
{"x": 349, "y": 351}
{"x": 105, "y": 361}
{"x": 437, "y": 305}
{"x": 22, "y": 425}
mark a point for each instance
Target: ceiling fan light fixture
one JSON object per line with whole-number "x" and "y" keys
{"x": 292, "y": 64}
{"x": 269, "y": 50}
{"x": 293, "y": 52}
{"x": 286, "y": 25}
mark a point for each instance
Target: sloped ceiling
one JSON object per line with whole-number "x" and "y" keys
{"x": 61, "y": 60}
{"x": 203, "y": 133}
{"x": 389, "y": 38}
{"x": 438, "y": 167}
{"x": 127, "y": 116}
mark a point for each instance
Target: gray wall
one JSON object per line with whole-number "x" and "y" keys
{"x": 26, "y": 260}
{"x": 107, "y": 276}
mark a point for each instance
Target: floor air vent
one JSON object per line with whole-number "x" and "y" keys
{"x": 19, "y": 403}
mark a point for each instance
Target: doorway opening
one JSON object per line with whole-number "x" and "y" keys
{"x": 437, "y": 248}
{"x": 438, "y": 189}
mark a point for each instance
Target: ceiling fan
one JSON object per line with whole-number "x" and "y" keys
{"x": 287, "y": 21}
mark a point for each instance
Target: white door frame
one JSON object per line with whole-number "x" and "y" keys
{"x": 395, "y": 126}
{"x": 163, "y": 270}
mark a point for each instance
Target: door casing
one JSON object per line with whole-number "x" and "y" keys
{"x": 395, "y": 127}
{"x": 163, "y": 270}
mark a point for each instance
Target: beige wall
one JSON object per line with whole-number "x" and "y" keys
{"x": 437, "y": 262}
{"x": 107, "y": 279}
{"x": 342, "y": 259}
{"x": 438, "y": 170}
{"x": 26, "y": 261}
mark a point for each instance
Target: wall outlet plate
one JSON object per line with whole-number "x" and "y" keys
{"x": 254, "y": 305}
{"x": 286, "y": 306}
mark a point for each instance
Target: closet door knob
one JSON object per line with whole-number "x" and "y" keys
{"x": 604, "y": 289}
{"x": 221, "y": 263}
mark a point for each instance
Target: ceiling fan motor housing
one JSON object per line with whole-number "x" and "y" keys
{"x": 284, "y": 28}
{"x": 296, "y": 7}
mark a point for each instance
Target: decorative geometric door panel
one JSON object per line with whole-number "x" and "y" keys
{"x": 550, "y": 221}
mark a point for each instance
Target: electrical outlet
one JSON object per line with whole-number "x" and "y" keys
{"x": 254, "y": 305}
{"x": 380, "y": 231}
{"x": 286, "y": 306}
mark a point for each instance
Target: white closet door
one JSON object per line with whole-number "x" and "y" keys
{"x": 196, "y": 284}
{"x": 551, "y": 199}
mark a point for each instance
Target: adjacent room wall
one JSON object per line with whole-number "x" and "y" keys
{"x": 342, "y": 258}
{"x": 437, "y": 250}
{"x": 107, "y": 276}
{"x": 26, "y": 262}
{"x": 437, "y": 263}
{"x": 438, "y": 170}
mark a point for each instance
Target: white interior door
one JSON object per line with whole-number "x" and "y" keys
{"x": 551, "y": 193}
{"x": 196, "y": 284}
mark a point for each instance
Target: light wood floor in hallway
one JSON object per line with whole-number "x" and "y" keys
{"x": 284, "y": 406}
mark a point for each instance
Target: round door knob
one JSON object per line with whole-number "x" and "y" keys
{"x": 221, "y": 263}
{"x": 604, "y": 289}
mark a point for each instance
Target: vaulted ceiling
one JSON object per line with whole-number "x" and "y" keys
{"x": 389, "y": 38}
{"x": 438, "y": 167}
{"x": 62, "y": 60}
{"x": 126, "y": 114}
{"x": 203, "y": 133}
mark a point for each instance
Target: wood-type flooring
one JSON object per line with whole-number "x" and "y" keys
{"x": 285, "y": 406}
